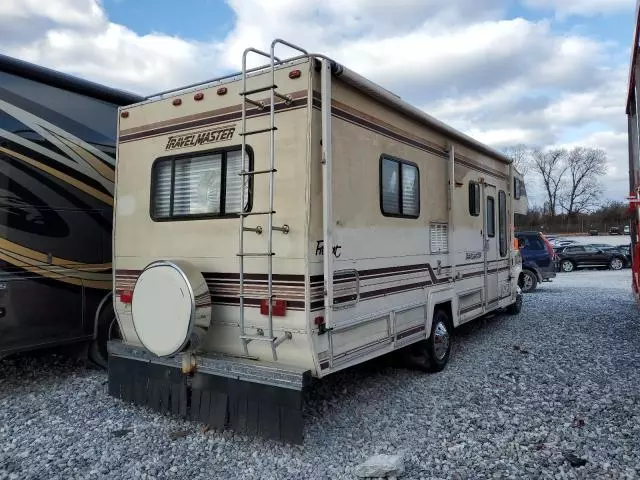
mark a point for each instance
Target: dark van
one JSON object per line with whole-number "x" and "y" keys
{"x": 538, "y": 260}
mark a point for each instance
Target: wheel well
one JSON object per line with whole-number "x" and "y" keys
{"x": 446, "y": 308}
{"x": 106, "y": 302}
{"x": 532, "y": 271}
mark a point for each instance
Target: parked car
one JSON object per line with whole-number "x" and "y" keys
{"x": 572, "y": 257}
{"x": 538, "y": 260}
{"x": 614, "y": 231}
{"x": 593, "y": 232}
{"x": 626, "y": 230}
{"x": 624, "y": 250}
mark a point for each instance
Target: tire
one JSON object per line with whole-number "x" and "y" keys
{"x": 616, "y": 263}
{"x": 432, "y": 355}
{"x": 107, "y": 329}
{"x": 567, "y": 266}
{"x": 528, "y": 281}
{"x": 516, "y": 307}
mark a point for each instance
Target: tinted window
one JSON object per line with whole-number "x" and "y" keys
{"x": 199, "y": 185}
{"x": 491, "y": 217}
{"x": 574, "y": 249}
{"x": 474, "y": 199}
{"x": 502, "y": 222}
{"x": 399, "y": 188}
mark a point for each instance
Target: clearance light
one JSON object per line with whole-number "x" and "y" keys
{"x": 278, "y": 307}
{"x": 295, "y": 74}
{"x": 177, "y": 102}
{"x": 124, "y": 114}
{"x": 198, "y": 96}
{"x": 222, "y": 91}
{"x": 126, "y": 296}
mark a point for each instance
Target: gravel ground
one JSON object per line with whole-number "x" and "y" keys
{"x": 519, "y": 397}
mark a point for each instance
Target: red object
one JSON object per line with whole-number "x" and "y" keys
{"x": 319, "y": 320}
{"x": 198, "y": 96}
{"x": 278, "y": 307}
{"x": 124, "y": 114}
{"x": 222, "y": 90}
{"x": 295, "y": 74}
{"x": 177, "y": 102}
{"x": 126, "y": 296}
{"x": 550, "y": 249}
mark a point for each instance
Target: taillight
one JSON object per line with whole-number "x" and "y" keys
{"x": 278, "y": 307}
{"x": 126, "y": 296}
{"x": 550, "y": 249}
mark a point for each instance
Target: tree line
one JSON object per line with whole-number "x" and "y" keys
{"x": 572, "y": 186}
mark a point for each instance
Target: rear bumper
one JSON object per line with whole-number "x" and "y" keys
{"x": 250, "y": 397}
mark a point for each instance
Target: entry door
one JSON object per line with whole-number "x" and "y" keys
{"x": 490, "y": 244}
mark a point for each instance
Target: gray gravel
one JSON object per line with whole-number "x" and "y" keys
{"x": 521, "y": 397}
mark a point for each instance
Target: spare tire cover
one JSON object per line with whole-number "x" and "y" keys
{"x": 163, "y": 306}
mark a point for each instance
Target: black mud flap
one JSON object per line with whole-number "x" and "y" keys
{"x": 245, "y": 407}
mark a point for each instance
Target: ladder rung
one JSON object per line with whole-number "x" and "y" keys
{"x": 257, "y": 254}
{"x": 260, "y": 105}
{"x": 286, "y": 98}
{"x": 258, "y": 90}
{"x": 259, "y": 338}
{"x": 255, "y": 132}
{"x": 257, "y": 229}
{"x": 257, "y": 172}
{"x": 253, "y": 297}
{"x": 261, "y": 212}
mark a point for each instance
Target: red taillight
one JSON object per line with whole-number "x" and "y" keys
{"x": 222, "y": 91}
{"x": 550, "y": 249}
{"x": 319, "y": 320}
{"x": 124, "y": 114}
{"x": 278, "y": 307}
{"x": 295, "y": 74}
{"x": 126, "y": 296}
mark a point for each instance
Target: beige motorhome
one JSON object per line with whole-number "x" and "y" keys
{"x": 353, "y": 225}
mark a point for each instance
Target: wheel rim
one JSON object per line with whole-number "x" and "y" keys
{"x": 616, "y": 264}
{"x": 527, "y": 282}
{"x": 440, "y": 341}
{"x": 567, "y": 266}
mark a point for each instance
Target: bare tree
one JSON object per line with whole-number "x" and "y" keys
{"x": 521, "y": 156}
{"x": 551, "y": 165}
{"x": 585, "y": 167}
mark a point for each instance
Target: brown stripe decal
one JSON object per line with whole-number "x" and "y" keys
{"x": 213, "y": 117}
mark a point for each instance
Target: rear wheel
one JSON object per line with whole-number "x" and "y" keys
{"x": 567, "y": 266}
{"x": 432, "y": 354}
{"x": 528, "y": 281}
{"x": 516, "y": 307}
{"x": 616, "y": 263}
{"x": 108, "y": 329}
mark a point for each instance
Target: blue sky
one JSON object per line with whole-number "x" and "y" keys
{"x": 544, "y": 73}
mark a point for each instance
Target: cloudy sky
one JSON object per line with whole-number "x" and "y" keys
{"x": 539, "y": 72}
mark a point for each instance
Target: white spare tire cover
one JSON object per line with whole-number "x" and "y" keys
{"x": 169, "y": 299}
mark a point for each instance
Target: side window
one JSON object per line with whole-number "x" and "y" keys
{"x": 575, "y": 250}
{"x": 491, "y": 217}
{"x": 474, "y": 199}
{"x": 516, "y": 188}
{"x": 199, "y": 185}
{"x": 502, "y": 222}
{"x": 399, "y": 188}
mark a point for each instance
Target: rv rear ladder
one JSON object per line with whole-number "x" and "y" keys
{"x": 246, "y": 338}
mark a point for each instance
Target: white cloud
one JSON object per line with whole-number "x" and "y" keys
{"x": 502, "y": 80}
{"x": 565, "y": 8}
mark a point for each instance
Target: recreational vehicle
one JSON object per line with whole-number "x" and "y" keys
{"x": 288, "y": 222}
{"x": 57, "y": 157}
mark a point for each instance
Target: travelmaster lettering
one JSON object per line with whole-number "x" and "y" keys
{"x": 200, "y": 138}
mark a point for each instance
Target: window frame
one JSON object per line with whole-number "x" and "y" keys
{"x": 517, "y": 191}
{"x": 400, "y": 162}
{"x": 493, "y": 203}
{"x": 502, "y": 223}
{"x": 474, "y": 197}
{"x": 223, "y": 184}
